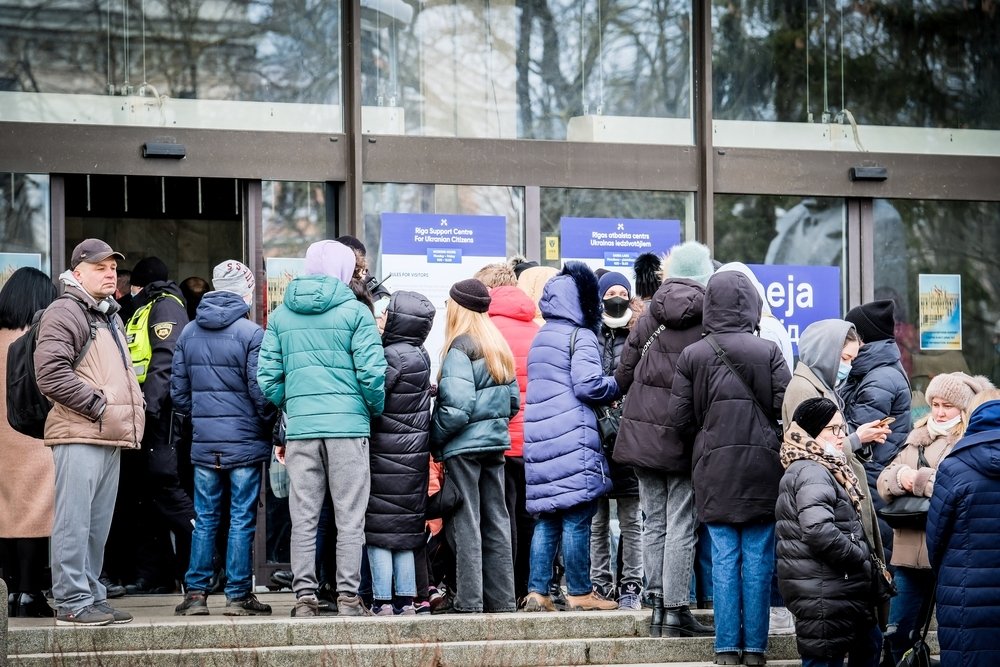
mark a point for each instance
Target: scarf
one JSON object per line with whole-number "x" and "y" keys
{"x": 798, "y": 446}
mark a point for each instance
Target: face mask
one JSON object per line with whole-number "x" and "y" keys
{"x": 948, "y": 425}
{"x": 830, "y": 449}
{"x": 615, "y": 306}
{"x": 843, "y": 371}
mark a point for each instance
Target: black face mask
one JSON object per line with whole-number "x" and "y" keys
{"x": 616, "y": 306}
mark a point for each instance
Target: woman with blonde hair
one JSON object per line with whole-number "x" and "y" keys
{"x": 912, "y": 473}
{"x": 477, "y": 396}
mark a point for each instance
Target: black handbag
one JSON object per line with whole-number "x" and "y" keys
{"x": 443, "y": 504}
{"x": 608, "y": 417}
{"x": 724, "y": 358}
{"x": 920, "y": 654}
{"x": 883, "y": 589}
{"x": 908, "y": 511}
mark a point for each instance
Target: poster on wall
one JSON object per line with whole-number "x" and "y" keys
{"x": 614, "y": 243}
{"x": 12, "y": 261}
{"x": 940, "y": 311}
{"x": 429, "y": 252}
{"x": 800, "y": 295}
{"x": 280, "y": 272}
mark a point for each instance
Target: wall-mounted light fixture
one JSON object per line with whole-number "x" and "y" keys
{"x": 868, "y": 173}
{"x": 164, "y": 150}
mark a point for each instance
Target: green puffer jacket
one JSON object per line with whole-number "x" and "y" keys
{"x": 472, "y": 411}
{"x": 321, "y": 361}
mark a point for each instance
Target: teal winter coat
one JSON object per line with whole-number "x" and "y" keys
{"x": 322, "y": 362}
{"x": 472, "y": 412}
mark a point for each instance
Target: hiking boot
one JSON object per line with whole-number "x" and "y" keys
{"x": 248, "y": 605}
{"x": 538, "y": 602}
{"x": 113, "y": 590}
{"x": 306, "y": 606}
{"x": 630, "y": 596}
{"x": 680, "y": 622}
{"x": 589, "y": 602}
{"x": 195, "y": 604}
{"x": 89, "y": 615}
{"x": 352, "y": 605}
{"x": 727, "y": 658}
{"x": 120, "y": 617}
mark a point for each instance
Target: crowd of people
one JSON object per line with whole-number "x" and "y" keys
{"x": 741, "y": 480}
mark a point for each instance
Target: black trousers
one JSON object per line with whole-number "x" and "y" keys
{"x": 24, "y": 562}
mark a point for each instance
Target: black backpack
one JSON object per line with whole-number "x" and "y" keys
{"x": 27, "y": 407}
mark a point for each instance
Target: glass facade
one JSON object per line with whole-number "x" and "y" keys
{"x": 173, "y": 63}
{"x": 24, "y": 223}
{"x": 577, "y": 70}
{"x": 878, "y": 67}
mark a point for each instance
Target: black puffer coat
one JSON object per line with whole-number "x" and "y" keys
{"x": 823, "y": 570}
{"x": 646, "y": 438}
{"x": 736, "y": 468}
{"x": 400, "y": 442}
{"x": 612, "y": 342}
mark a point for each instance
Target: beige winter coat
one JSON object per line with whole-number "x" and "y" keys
{"x": 27, "y": 480}
{"x": 100, "y": 402}
{"x": 909, "y": 545}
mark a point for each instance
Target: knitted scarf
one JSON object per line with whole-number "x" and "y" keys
{"x": 799, "y": 446}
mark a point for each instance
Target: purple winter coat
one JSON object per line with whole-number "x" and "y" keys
{"x": 564, "y": 465}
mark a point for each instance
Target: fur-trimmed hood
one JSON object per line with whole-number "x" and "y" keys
{"x": 572, "y": 296}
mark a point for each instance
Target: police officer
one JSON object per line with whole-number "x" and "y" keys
{"x": 165, "y": 505}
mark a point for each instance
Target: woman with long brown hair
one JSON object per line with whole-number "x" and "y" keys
{"x": 477, "y": 395}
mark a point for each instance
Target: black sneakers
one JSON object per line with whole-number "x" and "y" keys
{"x": 195, "y": 604}
{"x": 247, "y": 606}
{"x": 118, "y": 617}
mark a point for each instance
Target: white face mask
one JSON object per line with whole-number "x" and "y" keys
{"x": 943, "y": 428}
{"x": 830, "y": 449}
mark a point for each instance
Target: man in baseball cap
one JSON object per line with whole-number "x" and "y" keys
{"x": 93, "y": 251}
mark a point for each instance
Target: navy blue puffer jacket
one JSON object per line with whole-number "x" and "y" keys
{"x": 214, "y": 379}
{"x": 963, "y": 542}
{"x": 563, "y": 462}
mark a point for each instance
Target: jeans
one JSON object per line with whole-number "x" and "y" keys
{"x": 742, "y": 563}
{"x": 572, "y": 527}
{"x": 479, "y": 532}
{"x": 209, "y": 487}
{"x": 630, "y": 525}
{"x": 701, "y": 577}
{"x": 669, "y": 540}
{"x": 908, "y": 609}
{"x": 392, "y": 567}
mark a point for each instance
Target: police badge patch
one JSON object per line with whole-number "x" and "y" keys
{"x": 163, "y": 330}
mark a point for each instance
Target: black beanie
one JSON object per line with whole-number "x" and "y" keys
{"x": 148, "y": 270}
{"x": 874, "y": 321}
{"x": 471, "y": 294}
{"x": 520, "y": 267}
{"x": 813, "y": 414}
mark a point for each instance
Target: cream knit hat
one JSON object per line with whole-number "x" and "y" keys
{"x": 956, "y": 388}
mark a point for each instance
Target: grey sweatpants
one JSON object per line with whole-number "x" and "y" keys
{"x": 340, "y": 464}
{"x": 86, "y": 488}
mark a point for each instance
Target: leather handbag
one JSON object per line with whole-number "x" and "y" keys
{"x": 908, "y": 511}
{"x": 920, "y": 654}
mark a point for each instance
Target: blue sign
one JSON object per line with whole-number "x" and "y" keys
{"x": 420, "y": 233}
{"x": 617, "y": 241}
{"x": 800, "y": 295}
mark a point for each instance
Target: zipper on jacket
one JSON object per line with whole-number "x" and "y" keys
{"x": 218, "y": 461}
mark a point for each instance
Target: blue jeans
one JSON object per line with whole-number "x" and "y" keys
{"x": 701, "y": 575}
{"x": 742, "y": 565}
{"x": 389, "y": 567}
{"x": 908, "y": 609}
{"x": 573, "y": 526}
{"x": 244, "y": 484}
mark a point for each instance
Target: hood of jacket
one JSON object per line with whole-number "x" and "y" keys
{"x": 572, "y": 296}
{"x": 873, "y": 355}
{"x": 980, "y": 448}
{"x": 154, "y": 290}
{"x": 409, "y": 320}
{"x": 107, "y": 305}
{"x": 732, "y": 304}
{"x": 678, "y": 303}
{"x": 309, "y": 295}
{"x": 740, "y": 267}
{"x": 219, "y": 309}
{"x": 820, "y": 347}
{"x": 513, "y": 302}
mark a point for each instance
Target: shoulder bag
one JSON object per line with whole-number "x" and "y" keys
{"x": 908, "y": 511}
{"x": 920, "y": 654}
{"x": 724, "y": 358}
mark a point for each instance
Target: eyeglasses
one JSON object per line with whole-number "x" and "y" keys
{"x": 837, "y": 429}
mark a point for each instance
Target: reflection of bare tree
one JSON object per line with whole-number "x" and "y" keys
{"x": 294, "y": 216}
{"x": 24, "y": 216}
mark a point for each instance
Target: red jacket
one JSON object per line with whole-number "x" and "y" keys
{"x": 513, "y": 313}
